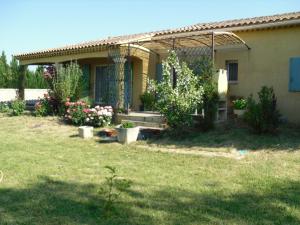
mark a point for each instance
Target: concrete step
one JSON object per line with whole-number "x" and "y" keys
{"x": 143, "y": 118}
{"x": 144, "y": 124}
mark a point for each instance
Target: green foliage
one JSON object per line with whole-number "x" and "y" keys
{"x": 210, "y": 105}
{"x": 9, "y": 75}
{"x": 4, "y": 107}
{"x": 127, "y": 124}
{"x": 204, "y": 68}
{"x": 263, "y": 117}
{"x": 17, "y": 107}
{"x": 240, "y": 103}
{"x": 178, "y": 103}
{"x": 66, "y": 83}
{"x": 75, "y": 112}
{"x": 36, "y": 79}
{"x": 44, "y": 106}
{"x": 148, "y": 101}
{"x": 112, "y": 188}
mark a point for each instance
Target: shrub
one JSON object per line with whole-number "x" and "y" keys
{"x": 99, "y": 116}
{"x": 210, "y": 105}
{"x": 178, "y": 103}
{"x": 17, "y": 107}
{"x": 4, "y": 107}
{"x": 44, "y": 106}
{"x": 263, "y": 117}
{"x": 204, "y": 68}
{"x": 78, "y": 113}
{"x": 67, "y": 82}
{"x": 75, "y": 113}
{"x": 64, "y": 82}
{"x": 240, "y": 104}
{"x": 148, "y": 100}
{"x": 112, "y": 188}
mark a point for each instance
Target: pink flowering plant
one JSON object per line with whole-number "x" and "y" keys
{"x": 75, "y": 112}
{"x": 44, "y": 106}
{"x": 79, "y": 113}
{"x": 99, "y": 116}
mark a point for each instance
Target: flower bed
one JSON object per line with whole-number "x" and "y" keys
{"x": 79, "y": 113}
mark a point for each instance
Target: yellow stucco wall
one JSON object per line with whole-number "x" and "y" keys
{"x": 267, "y": 63}
{"x": 144, "y": 67}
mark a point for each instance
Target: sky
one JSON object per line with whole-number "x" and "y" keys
{"x": 29, "y": 25}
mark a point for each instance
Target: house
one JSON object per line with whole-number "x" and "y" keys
{"x": 255, "y": 52}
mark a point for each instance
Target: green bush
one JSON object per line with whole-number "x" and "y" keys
{"x": 148, "y": 101}
{"x": 43, "y": 107}
{"x": 210, "y": 105}
{"x": 66, "y": 82}
{"x": 263, "y": 116}
{"x": 75, "y": 113}
{"x": 240, "y": 104}
{"x": 177, "y": 104}
{"x": 204, "y": 68}
{"x": 4, "y": 107}
{"x": 17, "y": 107}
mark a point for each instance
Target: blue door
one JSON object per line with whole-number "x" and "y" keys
{"x": 102, "y": 85}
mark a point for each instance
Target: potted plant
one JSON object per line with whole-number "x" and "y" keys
{"x": 127, "y": 132}
{"x": 239, "y": 107}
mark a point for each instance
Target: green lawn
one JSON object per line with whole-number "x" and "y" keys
{"x": 53, "y": 177}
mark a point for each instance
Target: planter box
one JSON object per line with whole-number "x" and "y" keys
{"x": 127, "y": 135}
{"x": 239, "y": 112}
{"x": 86, "y": 132}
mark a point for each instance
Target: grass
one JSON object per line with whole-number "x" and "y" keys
{"x": 53, "y": 177}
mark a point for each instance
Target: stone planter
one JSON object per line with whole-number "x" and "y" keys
{"x": 86, "y": 132}
{"x": 127, "y": 135}
{"x": 239, "y": 112}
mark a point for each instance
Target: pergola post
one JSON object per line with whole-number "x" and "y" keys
{"x": 21, "y": 83}
{"x": 213, "y": 47}
{"x": 120, "y": 75}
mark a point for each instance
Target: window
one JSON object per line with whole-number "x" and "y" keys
{"x": 232, "y": 70}
{"x": 294, "y": 82}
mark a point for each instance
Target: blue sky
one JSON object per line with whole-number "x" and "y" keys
{"x": 28, "y": 25}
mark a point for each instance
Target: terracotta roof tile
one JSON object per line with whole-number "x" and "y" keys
{"x": 197, "y": 27}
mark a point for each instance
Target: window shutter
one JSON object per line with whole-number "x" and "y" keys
{"x": 159, "y": 71}
{"x": 294, "y": 83}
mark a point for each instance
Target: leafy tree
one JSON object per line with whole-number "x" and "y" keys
{"x": 5, "y": 75}
{"x": 178, "y": 103}
{"x": 263, "y": 116}
{"x": 204, "y": 68}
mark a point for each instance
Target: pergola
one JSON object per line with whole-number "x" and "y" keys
{"x": 191, "y": 44}
{"x": 194, "y": 43}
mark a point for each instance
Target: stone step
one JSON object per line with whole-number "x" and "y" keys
{"x": 144, "y": 124}
{"x": 142, "y": 118}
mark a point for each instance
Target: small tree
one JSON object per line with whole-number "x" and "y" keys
{"x": 66, "y": 82}
{"x": 263, "y": 117}
{"x": 204, "y": 68}
{"x": 178, "y": 103}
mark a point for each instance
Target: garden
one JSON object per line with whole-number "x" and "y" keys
{"x": 195, "y": 172}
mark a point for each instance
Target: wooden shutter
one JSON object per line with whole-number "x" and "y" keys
{"x": 294, "y": 83}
